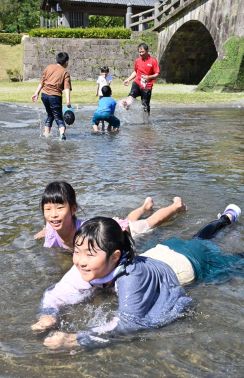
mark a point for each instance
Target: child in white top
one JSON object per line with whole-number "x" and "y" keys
{"x": 103, "y": 79}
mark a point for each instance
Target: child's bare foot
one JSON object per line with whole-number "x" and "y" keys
{"x": 95, "y": 128}
{"x": 125, "y": 104}
{"x": 148, "y": 204}
{"x": 179, "y": 204}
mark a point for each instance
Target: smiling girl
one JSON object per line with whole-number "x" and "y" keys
{"x": 59, "y": 207}
{"x": 149, "y": 286}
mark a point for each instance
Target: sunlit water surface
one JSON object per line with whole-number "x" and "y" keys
{"x": 194, "y": 153}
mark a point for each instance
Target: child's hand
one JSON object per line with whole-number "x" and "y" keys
{"x": 34, "y": 97}
{"x": 40, "y": 234}
{"x": 45, "y": 322}
{"x": 61, "y": 339}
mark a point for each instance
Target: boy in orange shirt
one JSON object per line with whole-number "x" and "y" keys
{"x": 55, "y": 79}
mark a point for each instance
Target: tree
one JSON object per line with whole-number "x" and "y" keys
{"x": 19, "y": 15}
{"x": 105, "y": 21}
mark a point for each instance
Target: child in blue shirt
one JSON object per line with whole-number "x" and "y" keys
{"x": 149, "y": 287}
{"x": 105, "y": 111}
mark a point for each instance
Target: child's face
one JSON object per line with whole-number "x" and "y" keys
{"x": 59, "y": 215}
{"x": 93, "y": 263}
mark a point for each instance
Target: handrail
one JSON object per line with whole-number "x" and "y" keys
{"x": 160, "y": 14}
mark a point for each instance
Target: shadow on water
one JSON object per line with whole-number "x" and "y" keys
{"x": 195, "y": 153}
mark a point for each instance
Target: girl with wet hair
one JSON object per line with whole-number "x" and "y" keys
{"x": 59, "y": 207}
{"x": 149, "y": 286}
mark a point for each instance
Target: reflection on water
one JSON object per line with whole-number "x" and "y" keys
{"x": 195, "y": 153}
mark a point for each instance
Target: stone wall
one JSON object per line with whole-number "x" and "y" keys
{"x": 190, "y": 43}
{"x": 86, "y": 56}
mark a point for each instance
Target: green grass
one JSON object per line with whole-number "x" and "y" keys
{"x": 84, "y": 93}
{"x": 11, "y": 58}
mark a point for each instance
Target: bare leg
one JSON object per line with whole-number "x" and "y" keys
{"x": 140, "y": 211}
{"x": 95, "y": 128}
{"x": 47, "y": 131}
{"x": 126, "y": 103}
{"x": 61, "y": 131}
{"x": 166, "y": 213}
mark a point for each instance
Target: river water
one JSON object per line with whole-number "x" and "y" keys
{"x": 196, "y": 153}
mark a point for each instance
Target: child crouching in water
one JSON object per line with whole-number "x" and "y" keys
{"x": 105, "y": 111}
{"x": 59, "y": 207}
{"x": 149, "y": 286}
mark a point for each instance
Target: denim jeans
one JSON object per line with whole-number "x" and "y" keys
{"x": 53, "y": 106}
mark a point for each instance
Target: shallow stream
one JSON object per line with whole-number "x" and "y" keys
{"x": 196, "y": 153}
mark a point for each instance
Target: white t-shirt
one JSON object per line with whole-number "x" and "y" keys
{"x": 102, "y": 81}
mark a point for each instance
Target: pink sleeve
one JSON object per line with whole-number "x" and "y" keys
{"x": 124, "y": 223}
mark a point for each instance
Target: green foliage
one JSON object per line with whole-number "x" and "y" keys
{"x": 14, "y": 75}
{"x": 227, "y": 73}
{"x": 148, "y": 37}
{"x": 105, "y": 22}
{"x": 19, "y": 15}
{"x": 10, "y": 38}
{"x": 108, "y": 33}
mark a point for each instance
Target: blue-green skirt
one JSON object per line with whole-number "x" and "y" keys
{"x": 210, "y": 263}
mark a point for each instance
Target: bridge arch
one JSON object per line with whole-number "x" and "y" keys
{"x": 188, "y": 55}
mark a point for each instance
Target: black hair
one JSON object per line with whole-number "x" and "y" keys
{"x": 62, "y": 58}
{"x": 143, "y": 46}
{"x": 59, "y": 192}
{"x": 106, "y": 91}
{"x": 104, "y": 69}
{"x": 107, "y": 234}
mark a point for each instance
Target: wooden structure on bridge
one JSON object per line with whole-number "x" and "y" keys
{"x": 75, "y": 13}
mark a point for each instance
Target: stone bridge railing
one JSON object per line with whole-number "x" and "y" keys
{"x": 158, "y": 16}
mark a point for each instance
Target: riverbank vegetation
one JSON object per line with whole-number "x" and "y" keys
{"x": 84, "y": 93}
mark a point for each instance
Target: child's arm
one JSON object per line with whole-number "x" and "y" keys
{"x": 41, "y": 234}
{"x": 67, "y": 96}
{"x": 131, "y": 77}
{"x": 36, "y": 94}
{"x": 97, "y": 89}
{"x": 71, "y": 289}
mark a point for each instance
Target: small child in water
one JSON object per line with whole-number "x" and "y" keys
{"x": 59, "y": 207}
{"x": 105, "y": 111}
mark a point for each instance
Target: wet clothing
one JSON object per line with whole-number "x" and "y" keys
{"x": 54, "y": 80}
{"x": 149, "y": 295}
{"x": 145, "y": 95}
{"x": 52, "y": 238}
{"x": 105, "y": 112}
{"x": 149, "y": 290}
{"x": 53, "y": 106}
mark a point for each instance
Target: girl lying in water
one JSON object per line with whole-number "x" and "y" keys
{"x": 59, "y": 208}
{"x": 149, "y": 286}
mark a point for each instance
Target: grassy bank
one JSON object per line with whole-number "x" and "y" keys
{"x": 11, "y": 58}
{"x": 84, "y": 93}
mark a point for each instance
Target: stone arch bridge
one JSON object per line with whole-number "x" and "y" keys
{"x": 192, "y": 34}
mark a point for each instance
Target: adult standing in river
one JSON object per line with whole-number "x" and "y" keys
{"x": 146, "y": 71}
